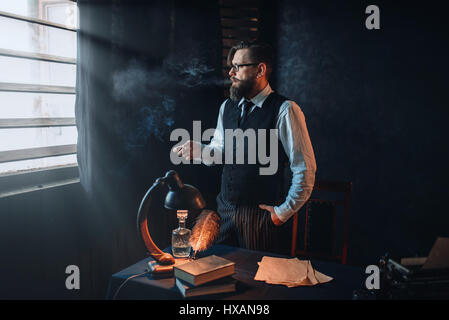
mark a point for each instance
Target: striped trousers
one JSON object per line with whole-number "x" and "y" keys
{"x": 246, "y": 227}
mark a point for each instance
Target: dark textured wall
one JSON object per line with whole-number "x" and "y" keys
{"x": 42, "y": 233}
{"x": 376, "y": 108}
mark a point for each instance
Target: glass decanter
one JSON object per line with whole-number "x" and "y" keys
{"x": 180, "y": 239}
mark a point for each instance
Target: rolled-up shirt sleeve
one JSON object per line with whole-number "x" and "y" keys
{"x": 295, "y": 139}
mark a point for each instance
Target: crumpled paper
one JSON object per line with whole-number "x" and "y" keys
{"x": 290, "y": 272}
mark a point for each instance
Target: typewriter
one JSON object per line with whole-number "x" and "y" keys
{"x": 419, "y": 278}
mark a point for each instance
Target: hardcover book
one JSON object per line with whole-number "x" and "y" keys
{"x": 223, "y": 285}
{"x": 204, "y": 270}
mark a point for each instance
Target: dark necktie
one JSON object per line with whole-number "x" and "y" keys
{"x": 246, "y": 107}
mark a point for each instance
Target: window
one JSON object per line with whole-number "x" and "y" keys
{"x": 37, "y": 85}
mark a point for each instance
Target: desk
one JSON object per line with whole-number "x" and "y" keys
{"x": 346, "y": 280}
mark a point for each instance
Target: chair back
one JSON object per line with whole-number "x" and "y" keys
{"x": 320, "y": 222}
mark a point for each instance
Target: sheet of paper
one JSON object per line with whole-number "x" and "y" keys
{"x": 322, "y": 278}
{"x": 281, "y": 270}
{"x": 290, "y": 272}
{"x": 439, "y": 255}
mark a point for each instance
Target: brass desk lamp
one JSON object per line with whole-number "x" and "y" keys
{"x": 180, "y": 197}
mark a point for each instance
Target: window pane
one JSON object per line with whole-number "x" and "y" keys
{"x": 24, "y": 138}
{"x": 30, "y": 37}
{"x": 35, "y": 38}
{"x": 15, "y": 166}
{"x": 19, "y": 70}
{"x": 36, "y": 105}
{"x": 58, "y": 11}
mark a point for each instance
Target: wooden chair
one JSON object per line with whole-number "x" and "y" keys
{"x": 327, "y": 187}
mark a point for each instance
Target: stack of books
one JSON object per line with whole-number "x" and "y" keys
{"x": 205, "y": 276}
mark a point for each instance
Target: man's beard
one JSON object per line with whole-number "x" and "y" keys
{"x": 241, "y": 89}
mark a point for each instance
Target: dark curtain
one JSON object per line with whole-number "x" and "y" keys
{"x": 144, "y": 69}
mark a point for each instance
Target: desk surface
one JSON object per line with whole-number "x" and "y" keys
{"x": 346, "y": 280}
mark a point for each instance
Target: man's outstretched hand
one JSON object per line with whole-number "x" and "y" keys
{"x": 189, "y": 150}
{"x": 274, "y": 217}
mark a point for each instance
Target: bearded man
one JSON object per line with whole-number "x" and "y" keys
{"x": 252, "y": 206}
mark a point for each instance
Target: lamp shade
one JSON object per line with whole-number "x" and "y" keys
{"x": 182, "y": 196}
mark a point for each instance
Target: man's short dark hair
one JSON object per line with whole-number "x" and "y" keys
{"x": 258, "y": 51}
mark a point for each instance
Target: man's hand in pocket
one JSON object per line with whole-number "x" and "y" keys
{"x": 274, "y": 217}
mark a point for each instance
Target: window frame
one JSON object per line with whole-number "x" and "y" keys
{"x": 23, "y": 181}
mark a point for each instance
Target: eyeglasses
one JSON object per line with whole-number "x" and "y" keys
{"x": 235, "y": 67}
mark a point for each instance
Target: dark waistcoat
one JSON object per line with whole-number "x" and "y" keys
{"x": 242, "y": 184}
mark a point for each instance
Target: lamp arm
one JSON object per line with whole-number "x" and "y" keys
{"x": 144, "y": 232}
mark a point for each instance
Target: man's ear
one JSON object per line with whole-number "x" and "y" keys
{"x": 261, "y": 70}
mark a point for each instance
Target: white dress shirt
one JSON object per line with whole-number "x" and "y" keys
{"x": 293, "y": 134}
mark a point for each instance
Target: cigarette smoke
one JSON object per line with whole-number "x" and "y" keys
{"x": 155, "y": 121}
{"x": 156, "y": 118}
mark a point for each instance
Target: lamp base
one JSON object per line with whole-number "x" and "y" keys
{"x": 162, "y": 270}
